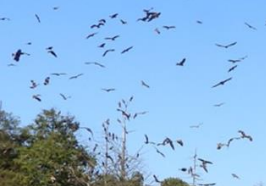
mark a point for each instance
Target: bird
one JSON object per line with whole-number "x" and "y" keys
{"x": 235, "y": 176}
{"x": 76, "y": 76}
{"x": 55, "y": 7}
{"x": 95, "y": 63}
{"x": 157, "y": 31}
{"x": 38, "y": 18}
{"x": 126, "y": 50}
{"x": 244, "y": 135}
{"x": 17, "y": 55}
{"x": 250, "y": 26}
{"x": 139, "y": 113}
{"x": 146, "y": 139}
{"x": 64, "y": 97}
{"x": 37, "y": 97}
{"x": 91, "y": 35}
{"x": 113, "y": 15}
{"x": 199, "y": 22}
{"x": 112, "y": 38}
{"x": 237, "y": 60}
{"x": 5, "y": 19}
{"x": 50, "y": 50}
{"x": 145, "y": 84}
{"x": 101, "y": 45}
{"x": 159, "y": 152}
{"x": 107, "y": 51}
{"x": 88, "y": 129}
{"x": 102, "y": 21}
{"x": 182, "y": 62}
{"x": 46, "y": 81}
{"x": 156, "y": 179}
{"x": 222, "y": 82}
{"x": 108, "y": 89}
{"x": 196, "y": 126}
{"x": 180, "y": 142}
{"x": 123, "y": 22}
{"x": 167, "y": 141}
{"x": 204, "y": 164}
{"x": 226, "y": 46}
{"x": 97, "y": 25}
{"x": 58, "y": 74}
{"x": 232, "y": 68}
{"x": 232, "y": 139}
{"x": 220, "y": 145}
{"x": 33, "y": 84}
{"x": 219, "y": 104}
{"x": 168, "y": 27}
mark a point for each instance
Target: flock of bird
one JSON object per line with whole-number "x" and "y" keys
{"x": 149, "y": 15}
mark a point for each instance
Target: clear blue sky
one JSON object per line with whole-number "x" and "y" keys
{"x": 178, "y": 97}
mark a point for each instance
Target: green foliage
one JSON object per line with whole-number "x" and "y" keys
{"x": 173, "y": 182}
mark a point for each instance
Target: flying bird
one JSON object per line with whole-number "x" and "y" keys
{"x": 145, "y": 84}
{"x": 219, "y": 104}
{"x": 97, "y": 25}
{"x": 38, "y": 18}
{"x": 95, "y": 63}
{"x": 37, "y": 97}
{"x": 250, "y": 26}
{"x": 64, "y": 97}
{"x": 91, "y": 35}
{"x": 5, "y": 19}
{"x": 222, "y": 82}
{"x": 101, "y": 45}
{"x": 168, "y": 27}
{"x": 88, "y": 129}
{"x": 76, "y": 76}
{"x": 108, "y": 89}
{"x": 123, "y": 22}
{"x": 199, "y": 22}
{"x": 113, "y": 15}
{"x": 156, "y": 179}
{"x": 159, "y": 152}
{"x": 235, "y": 176}
{"x": 237, "y": 60}
{"x": 17, "y": 55}
{"x": 33, "y": 84}
{"x": 46, "y": 81}
{"x": 58, "y": 74}
{"x": 126, "y": 50}
{"x": 112, "y": 38}
{"x": 196, "y": 126}
{"x": 157, "y": 31}
{"x": 226, "y": 46}
{"x": 180, "y": 142}
{"x": 232, "y": 68}
{"x": 204, "y": 164}
{"x": 182, "y": 62}
{"x": 107, "y": 51}
{"x": 244, "y": 135}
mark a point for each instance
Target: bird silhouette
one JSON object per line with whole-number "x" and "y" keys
{"x": 204, "y": 164}
{"x": 17, "y": 55}
{"x": 58, "y": 74}
{"x": 180, "y": 142}
{"x": 95, "y": 63}
{"x": 182, "y": 62}
{"x": 108, "y": 89}
{"x": 88, "y": 129}
{"x": 113, "y": 15}
{"x": 226, "y": 46}
{"x": 156, "y": 179}
{"x": 33, "y": 84}
{"x": 199, "y": 22}
{"x": 37, "y": 97}
{"x": 91, "y": 35}
{"x": 5, "y": 19}
{"x": 235, "y": 176}
{"x": 232, "y": 68}
{"x": 250, "y": 26}
{"x": 237, "y": 60}
{"x": 219, "y": 104}
{"x": 169, "y": 27}
{"x": 97, "y": 25}
{"x": 64, "y": 97}
{"x": 76, "y": 76}
{"x": 101, "y": 45}
{"x": 123, "y": 22}
{"x": 112, "y": 38}
{"x": 244, "y": 135}
{"x": 159, "y": 152}
{"x": 126, "y": 50}
{"x": 38, "y": 18}
{"x": 107, "y": 51}
{"x": 196, "y": 126}
{"x": 222, "y": 82}
{"x": 145, "y": 84}
{"x": 156, "y": 30}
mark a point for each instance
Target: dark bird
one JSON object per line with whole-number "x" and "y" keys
{"x": 157, "y": 31}
{"x": 95, "y": 63}
{"x": 232, "y": 68}
{"x": 222, "y": 82}
{"x": 101, "y": 45}
{"x": 199, "y": 22}
{"x": 28, "y": 43}
{"x": 11, "y": 65}
{"x": 112, "y": 38}
{"x": 52, "y": 52}
{"x": 76, "y": 76}
{"x": 97, "y": 25}
{"x": 123, "y": 22}
{"x": 108, "y": 89}
{"x": 58, "y": 74}
{"x": 168, "y": 141}
{"x": 183, "y": 169}
{"x": 159, "y": 152}
{"x": 88, "y": 129}
{"x": 152, "y": 15}
{"x": 33, "y": 84}
{"x": 139, "y": 113}
{"x": 182, "y": 62}
{"x": 37, "y": 97}
{"x": 250, "y": 26}
{"x": 91, "y": 35}
{"x": 38, "y": 18}
{"x": 235, "y": 176}
{"x": 102, "y": 21}
{"x": 145, "y": 84}
{"x": 107, "y": 51}
{"x": 226, "y": 46}
{"x": 220, "y": 145}
{"x": 196, "y": 126}
{"x": 56, "y": 8}
{"x": 169, "y": 27}
{"x": 156, "y": 179}
{"x": 219, "y": 104}
{"x": 64, "y": 97}
{"x": 146, "y": 139}
{"x": 244, "y": 135}
{"x": 126, "y": 50}
{"x": 204, "y": 164}
{"x": 232, "y": 139}
{"x": 46, "y": 81}
{"x": 237, "y": 60}
{"x": 180, "y": 142}
{"x": 17, "y": 55}
{"x": 5, "y": 19}
{"x": 113, "y": 15}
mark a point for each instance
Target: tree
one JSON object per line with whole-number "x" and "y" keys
{"x": 173, "y": 182}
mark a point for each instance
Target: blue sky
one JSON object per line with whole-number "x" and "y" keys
{"x": 178, "y": 97}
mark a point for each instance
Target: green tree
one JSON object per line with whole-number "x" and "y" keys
{"x": 173, "y": 182}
